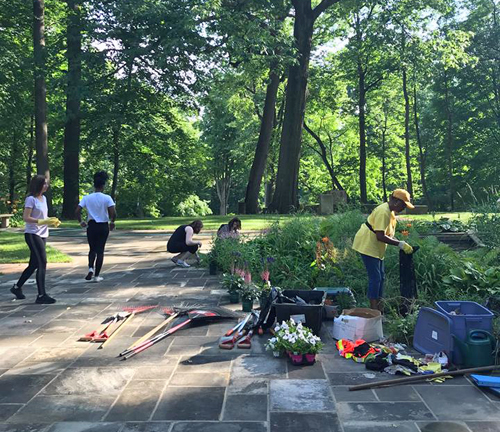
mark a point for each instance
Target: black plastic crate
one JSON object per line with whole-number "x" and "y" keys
{"x": 313, "y": 311}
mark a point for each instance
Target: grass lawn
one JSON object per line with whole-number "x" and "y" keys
{"x": 13, "y": 249}
{"x": 249, "y": 222}
{"x": 213, "y": 222}
{"x": 462, "y": 216}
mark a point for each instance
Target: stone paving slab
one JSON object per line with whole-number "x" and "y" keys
{"x": 50, "y": 382}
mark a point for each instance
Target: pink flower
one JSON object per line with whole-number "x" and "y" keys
{"x": 248, "y": 277}
{"x": 265, "y": 275}
{"x": 239, "y": 272}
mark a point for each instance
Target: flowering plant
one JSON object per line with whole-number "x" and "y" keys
{"x": 295, "y": 338}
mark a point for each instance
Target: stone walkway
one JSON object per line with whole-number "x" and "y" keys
{"x": 51, "y": 382}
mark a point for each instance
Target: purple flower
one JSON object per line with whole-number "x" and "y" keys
{"x": 270, "y": 260}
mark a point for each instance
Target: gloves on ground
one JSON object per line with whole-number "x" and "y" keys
{"x": 51, "y": 222}
{"x": 405, "y": 247}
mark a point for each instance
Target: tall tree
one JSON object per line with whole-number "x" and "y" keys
{"x": 285, "y": 196}
{"x": 73, "y": 102}
{"x": 263, "y": 144}
{"x": 367, "y": 61}
{"x": 39, "y": 52}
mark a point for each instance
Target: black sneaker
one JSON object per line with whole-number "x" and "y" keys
{"x": 45, "y": 299}
{"x": 18, "y": 292}
{"x": 89, "y": 276}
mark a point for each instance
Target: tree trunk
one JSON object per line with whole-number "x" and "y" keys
{"x": 12, "y": 172}
{"x": 420, "y": 147}
{"x": 263, "y": 145}
{"x": 285, "y": 197}
{"x": 384, "y": 170}
{"x": 222, "y": 187}
{"x": 409, "y": 181}
{"x": 39, "y": 54}
{"x": 117, "y": 127}
{"x": 324, "y": 157}
{"x": 362, "y": 134}
{"x": 72, "y": 127}
{"x": 29, "y": 162}
{"x": 116, "y": 158}
{"x": 449, "y": 141}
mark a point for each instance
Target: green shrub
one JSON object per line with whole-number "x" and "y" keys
{"x": 193, "y": 206}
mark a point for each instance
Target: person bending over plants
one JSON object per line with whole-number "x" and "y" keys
{"x": 372, "y": 239}
{"x": 182, "y": 243}
{"x": 231, "y": 229}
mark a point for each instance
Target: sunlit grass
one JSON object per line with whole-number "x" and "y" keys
{"x": 13, "y": 249}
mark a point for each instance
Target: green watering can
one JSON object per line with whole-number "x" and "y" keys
{"x": 477, "y": 350}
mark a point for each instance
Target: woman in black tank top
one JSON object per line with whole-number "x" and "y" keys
{"x": 181, "y": 242}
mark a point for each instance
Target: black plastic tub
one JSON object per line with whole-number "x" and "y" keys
{"x": 313, "y": 311}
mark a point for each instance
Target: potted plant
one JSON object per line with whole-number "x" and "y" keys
{"x": 249, "y": 293}
{"x": 274, "y": 345}
{"x": 212, "y": 263}
{"x": 299, "y": 342}
{"x": 233, "y": 283}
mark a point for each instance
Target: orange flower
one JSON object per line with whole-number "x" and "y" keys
{"x": 408, "y": 225}
{"x": 405, "y": 233}
{"x": 325, "y": 240}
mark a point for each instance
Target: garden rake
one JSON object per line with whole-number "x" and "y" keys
{"x": 187, "y": 316}
{"x": 103, "y": 334}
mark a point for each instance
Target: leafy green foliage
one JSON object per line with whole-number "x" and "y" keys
{"x": 193, "y": 206}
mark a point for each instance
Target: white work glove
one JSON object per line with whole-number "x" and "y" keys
{"x": 405, "y": 247}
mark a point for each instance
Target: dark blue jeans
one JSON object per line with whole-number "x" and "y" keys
{"x": 376, "y": 276}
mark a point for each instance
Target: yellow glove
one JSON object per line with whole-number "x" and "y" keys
{"x": 51, "y": 222}
{"x": 405, "y": 247}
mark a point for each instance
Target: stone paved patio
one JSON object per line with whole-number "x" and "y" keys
{"x": 51, "y": 382}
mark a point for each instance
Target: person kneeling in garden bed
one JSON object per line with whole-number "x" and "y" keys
{"x": 372, "y": 239}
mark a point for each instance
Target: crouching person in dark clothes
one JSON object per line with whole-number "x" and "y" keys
{"x": 181, "y": 242}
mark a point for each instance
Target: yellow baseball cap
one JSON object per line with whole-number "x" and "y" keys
{"x": 404, "y": 196}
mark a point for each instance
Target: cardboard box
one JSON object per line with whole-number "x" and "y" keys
{"x": 358, "y": 323}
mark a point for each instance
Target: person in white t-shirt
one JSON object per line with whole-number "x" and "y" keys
{"x": 36, "y": 232}
{"x": 101, "y": 216}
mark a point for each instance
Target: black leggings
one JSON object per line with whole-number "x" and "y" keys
{"x": 181, "y": 247}
{"x": 38, "y": 262}
{"x": 97, "y": 234}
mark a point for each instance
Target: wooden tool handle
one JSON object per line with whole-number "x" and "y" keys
{"x": 397, "y": 381}
{"x": 112, "y": 335}
{"x": 154, "y": 331}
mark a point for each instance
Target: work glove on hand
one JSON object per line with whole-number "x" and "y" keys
{"x": 51, "y": 222}
{"x": 405, "y": 247}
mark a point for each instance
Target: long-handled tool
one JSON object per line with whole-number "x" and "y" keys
{"x": 193, "y": 315}
{"x": 398, "y": 381}
{"x": 150, "y": 334}
{"x": 101, "y": 334}
{"x": 241, "y": 333}
{"x": 104, "y": 333}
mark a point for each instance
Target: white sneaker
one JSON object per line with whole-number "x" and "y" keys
{"x": 97, "y": 279}
{"x": 182, "y": 263}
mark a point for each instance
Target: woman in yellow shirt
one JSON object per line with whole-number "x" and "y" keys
{"x": 372, "y": 239}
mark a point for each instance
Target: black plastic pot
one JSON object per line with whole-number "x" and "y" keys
{"x": 212, "y": 268}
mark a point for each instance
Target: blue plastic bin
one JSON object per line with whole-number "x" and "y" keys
{"x": 433, "y": 333}
{"x": 472, "y": 316}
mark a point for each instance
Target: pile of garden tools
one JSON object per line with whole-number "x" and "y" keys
{"x": 113, "y": 324}
{"x": 255, "y": 322}
{"x": 176, "y": 318}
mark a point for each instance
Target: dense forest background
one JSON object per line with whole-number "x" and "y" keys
{"x": 195, "y": 105}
